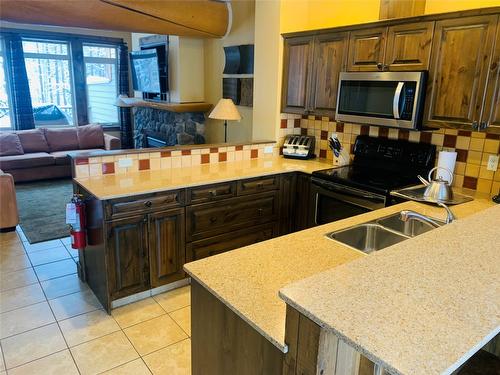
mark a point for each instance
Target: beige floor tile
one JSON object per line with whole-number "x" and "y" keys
{"x": 103, "y": 353}
{"x": 136, "y": 367}
{"x": 12, "y": 262}
{"x": 14, "y": 247}
{"x": 60, "y": 363}
{"x": 30, "y": 248}
{"x": 2, "y": 364}
{"x": 137, "y": 312}
{"x": 174, "y": 299}
{"x": 17, "y": 279}
{"x": 56, "y": 269}
{"x": 154, "y": 334}
{"x": 49, "y": 255}
{"x": 172, "y": 360}
{"x": 32, "y": 345}
{"x": 87, "y": 327}
{"x": 62, "y": 286}
{"x": 25, "y": 318}
{"x": 9, "y": 237}
{"x": 74, "y": 304}
{"x": 20, "y": 297}
{"x": 183, "y": 318}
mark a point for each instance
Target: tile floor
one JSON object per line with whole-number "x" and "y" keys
{"x": 51, "y": 323}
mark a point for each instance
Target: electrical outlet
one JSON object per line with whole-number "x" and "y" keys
{"x": 125, "y": 163}
{"x": 492, "y": 163}
{"x": 268, "y": 150}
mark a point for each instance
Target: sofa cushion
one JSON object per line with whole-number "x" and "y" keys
{"x": 61, "y": 139}
{"x": 90, "y": 136}
{"x": 33, "y": 140}
{"x": 62, "y": 157}
{"x": 35, "y": 159}
{"x": 10, "y": 144}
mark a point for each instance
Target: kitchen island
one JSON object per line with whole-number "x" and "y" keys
{"x": 237, "y": 295}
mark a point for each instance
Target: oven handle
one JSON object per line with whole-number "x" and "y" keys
{"x": 395, "y": 102}
{"x": 329, "y": 186}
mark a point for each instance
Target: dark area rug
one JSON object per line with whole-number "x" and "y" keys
{"x": 42, "y": 208}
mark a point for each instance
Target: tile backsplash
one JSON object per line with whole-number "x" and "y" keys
{"x": 473, "y": 148}
{"x": 165, "y": 159}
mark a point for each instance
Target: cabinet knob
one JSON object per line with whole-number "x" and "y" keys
{"x": 380, "y": 66}
{"x": 213, "y": 193}
{"x": 260, "y": 211}
{"x": 260, "y": 185}
{"x": 148, "y": 204}
{"x": 213, "y": 219}
{"x": 483, "y": 125}
{"x": 474, "y": 125}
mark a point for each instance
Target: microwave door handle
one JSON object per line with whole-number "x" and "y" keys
{"x": 397, "y": 97}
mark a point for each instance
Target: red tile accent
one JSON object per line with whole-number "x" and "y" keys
{"x": 222, "y": 156}
{"x": 317, "y": 118}
{"x": 82, "y": 161}
{"x": 186, "y": 152}
{"x": 165, "y": 154}
{"x": 108, "y": 168}
{"x": 322, "y": 153}
{"x": 470, "y": 182}
{"x": 324, "y": 134}
{"x": 305, "y": 117}
{"x": 383, "y": 132}
{"x": 340, "y": 127}
{"x": 425, "y": 137}
{"x": 283, "y": 123}
{"x": 365, "y": 130}
{"x": 214, "y": 150}
{"x": 450, "y": 140}
{"x": 296, "y": 123}
{"x": 205, "y": 158}
{"x": 143, "y": 164}
{"x": 303, "y": 131}
{"x": 239, "y": 148}
{"x": 464, "y": 133}
{"x": 462, "y": 155}
{"x": 492, "y": 136}
{"x": 403, "y": 134}
{"x": 254, "y": 154}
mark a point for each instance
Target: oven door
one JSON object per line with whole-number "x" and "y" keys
{"x": 336, "y": 202}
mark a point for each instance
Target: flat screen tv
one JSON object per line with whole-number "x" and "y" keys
{"x": 145, "y": 73}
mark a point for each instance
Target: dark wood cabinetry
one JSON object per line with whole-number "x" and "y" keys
{"x": 304, "y": 204}
{"x": 490, "y": 117}
{"x": 367, "y": 49}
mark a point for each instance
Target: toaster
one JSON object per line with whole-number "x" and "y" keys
{"x": 299, "y": 147}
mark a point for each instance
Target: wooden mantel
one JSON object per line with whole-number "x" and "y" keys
{"x": 172, "y": 107}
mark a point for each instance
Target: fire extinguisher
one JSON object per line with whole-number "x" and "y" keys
{"x": 75, "y": 217}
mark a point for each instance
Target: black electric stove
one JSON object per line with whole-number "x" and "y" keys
{"x": 379, "y": 166}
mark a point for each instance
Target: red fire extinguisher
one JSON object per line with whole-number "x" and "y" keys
{"x": 75, "y": 217}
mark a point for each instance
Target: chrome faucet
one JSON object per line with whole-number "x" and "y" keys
{"x": 408, "y": 214}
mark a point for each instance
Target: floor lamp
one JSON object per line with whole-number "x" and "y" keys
{"x": 227, "y": 111}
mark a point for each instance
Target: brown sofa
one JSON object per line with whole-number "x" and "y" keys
{"x": 9, "y": 217}
{"x": 43, "y": 153}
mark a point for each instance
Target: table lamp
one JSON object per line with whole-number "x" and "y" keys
{"x": 227, "y": 111}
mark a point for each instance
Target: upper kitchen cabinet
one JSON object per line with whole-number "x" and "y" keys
{"x": 367, "y": 49}
{"x": 297, "y": 60}
{"x": 409, "y": 46}
{"x": 458, "y": 73}
{"x": 490, "y": 118}
{"x": 330, "y": 57}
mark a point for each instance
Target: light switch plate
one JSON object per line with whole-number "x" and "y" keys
{"x": 492, "y": 163}
{"x": 268, "y": 150}
{"x": 124, "y": 163}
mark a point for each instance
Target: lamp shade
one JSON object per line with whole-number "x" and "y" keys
{"x": 225, "y": 110}
{"x": 121, "y": 101}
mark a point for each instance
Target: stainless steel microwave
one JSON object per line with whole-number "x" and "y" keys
{"x": 394, "y": 99}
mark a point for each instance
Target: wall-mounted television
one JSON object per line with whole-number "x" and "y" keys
{"x": 145, "y": 71}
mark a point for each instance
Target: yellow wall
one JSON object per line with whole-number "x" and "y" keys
{"x": 441, "y": 6}
{"x": 242, "y": 32}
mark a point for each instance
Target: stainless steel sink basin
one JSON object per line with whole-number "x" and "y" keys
{"x": 367, "y": 237}
{"x": 409, "y": 228}
{"x": 380, "y": 233}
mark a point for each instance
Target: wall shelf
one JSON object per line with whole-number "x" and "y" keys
{"x": 172, "y": 107}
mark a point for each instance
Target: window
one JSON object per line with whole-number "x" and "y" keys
{"x": 49, "y": 77}
{"x": 102, "y": 84}
{"x": 5, "y": 114}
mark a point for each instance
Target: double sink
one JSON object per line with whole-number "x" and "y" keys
{"x": 380, "y": 233}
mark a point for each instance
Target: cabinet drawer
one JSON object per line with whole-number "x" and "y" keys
{"x": 257, "y": 185}
{"x": 211, "y": 193}
{"x": 229, "y": 241}
{"x": 144, "y": 204}
{"x": 210, "y": 219}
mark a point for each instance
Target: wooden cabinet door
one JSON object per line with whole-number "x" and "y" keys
{"x": 409, "y": 46}
{"x": 297, "y": 61}
{"x": 304, "y": 210}
{"x": 458, "y": 72}
{"x": 367, "y": 49}
{"x": 490, "y": 119}
{"x": 330, "y": 56}
{"x": 166, "y": 246}
{"x": 127, "y": 256}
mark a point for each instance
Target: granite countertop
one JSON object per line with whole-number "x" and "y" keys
{"x": 423, "y": 306}
{"x": 142, "y": 182}
{"x": 248, "y": 280}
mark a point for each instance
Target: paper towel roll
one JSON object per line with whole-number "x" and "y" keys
{"x": 446, "y": 160}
